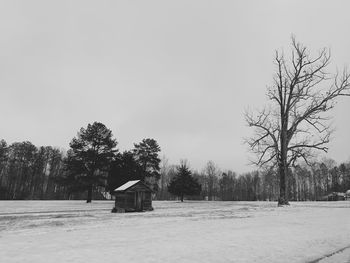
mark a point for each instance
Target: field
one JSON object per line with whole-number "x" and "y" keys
{"x": 73, "y": 231}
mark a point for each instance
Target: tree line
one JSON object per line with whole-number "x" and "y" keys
{"x": 93, "y": 167}
{"x": 304, "y": 182}
{"x": 30, "y": 172}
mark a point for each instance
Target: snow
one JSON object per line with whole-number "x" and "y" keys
{"x": 341, "y": 257}
{"x": 73, "y": 231}
{"x": 127, "y": 185}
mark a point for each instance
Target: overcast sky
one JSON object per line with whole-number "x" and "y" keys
{"x": 181, "y": 72}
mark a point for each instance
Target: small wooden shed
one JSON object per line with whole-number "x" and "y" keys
{"x": 133, "y": 196}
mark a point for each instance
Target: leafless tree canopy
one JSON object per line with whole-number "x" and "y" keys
{"x": 296, "y": 123}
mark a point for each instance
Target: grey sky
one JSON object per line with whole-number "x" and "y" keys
{"x": 181, "y": 72}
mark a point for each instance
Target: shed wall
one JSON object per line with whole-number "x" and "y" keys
{"x": 136, "y": 198}
{"x": 125, "y": 200}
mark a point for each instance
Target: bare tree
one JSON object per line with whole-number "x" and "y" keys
{"x": 164, "y": 178}
{"x": 211, "y": 171}
{"x": 295, "y": 123}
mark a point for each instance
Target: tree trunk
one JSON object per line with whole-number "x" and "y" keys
{"x": 283, "y": 199}
{"x": 89, "y": 195}
{"x": 283, "y": 167}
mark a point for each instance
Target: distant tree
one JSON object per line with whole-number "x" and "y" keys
{"x": 316, "y": 181}
{"x": 89, "y": 158}
{"x": 22, "y": 156}
{"x": 164, "y": 179}
{"x": 3, "y": 157}
{"x": 345, "y": 172}
{"x": 256, "y": 186}
{"x": 183, "y": 183}
{"x": 146, "y": 154}
{"x": 51, "y": 189}
{"x": 211, "y": 172}
{"x": 324, "y": 174}
{"x": 335, "y": 179}
{"x": 295, "y": 124}
{"x": 227, "y": 184}
{"x": 269, "y": 181}
{"x": 3, "y": 163}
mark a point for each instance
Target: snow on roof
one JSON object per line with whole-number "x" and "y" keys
{"x": 127, "y": 185}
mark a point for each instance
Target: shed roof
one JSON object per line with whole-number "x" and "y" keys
{"x": 127, "y": 185}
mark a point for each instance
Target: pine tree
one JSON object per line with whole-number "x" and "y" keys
{"x": 123, "y": 169}
{"x": 184, "y": 183}
{"x": 146, "y": 155}
{"x": 89, "y": 158}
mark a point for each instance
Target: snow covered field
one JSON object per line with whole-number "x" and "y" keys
{"x": 73, "y": 231}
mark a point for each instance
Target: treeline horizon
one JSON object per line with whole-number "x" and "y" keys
{"x": 304, "y": 182}
{"x": 28, "y": 172}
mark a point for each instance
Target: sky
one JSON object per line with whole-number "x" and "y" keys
{"x": 181, "y": 72}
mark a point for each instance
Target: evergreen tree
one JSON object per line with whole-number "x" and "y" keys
{"x": 146, "y": 155}
{"x": 90, "y": 157}
{"x": 183, "y": 183}
{"x": 124, "y": 168}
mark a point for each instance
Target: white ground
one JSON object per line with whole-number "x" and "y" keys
{"x": 73, "y": 231}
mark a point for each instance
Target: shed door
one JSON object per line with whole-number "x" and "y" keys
{"x": 139, "y": 200}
